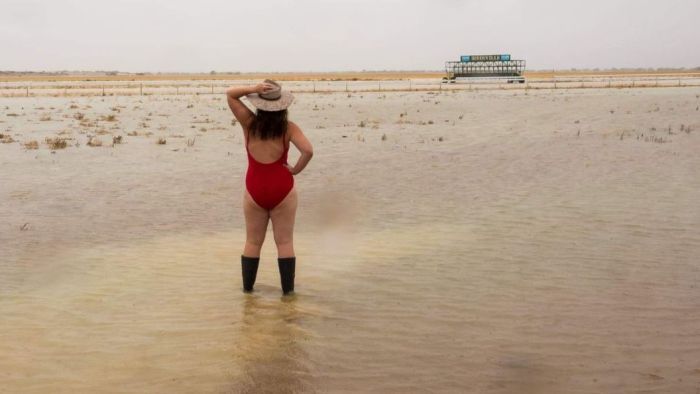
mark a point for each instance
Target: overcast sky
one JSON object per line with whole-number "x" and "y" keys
{"x": 333, "y": 35}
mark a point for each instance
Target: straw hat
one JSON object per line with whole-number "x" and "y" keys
{"x": 273, "y": 100}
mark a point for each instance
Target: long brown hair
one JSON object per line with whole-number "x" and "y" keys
{"x": 269, "y": 124}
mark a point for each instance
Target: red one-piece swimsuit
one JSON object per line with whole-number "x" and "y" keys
{"x": 269, "y": 183}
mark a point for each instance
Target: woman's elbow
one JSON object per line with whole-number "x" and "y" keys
{"x": 309, "y": 152}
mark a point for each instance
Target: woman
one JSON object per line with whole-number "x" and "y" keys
{"x": 270, "y": 192}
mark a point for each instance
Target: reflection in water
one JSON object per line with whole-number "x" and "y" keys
{"x": 272, "y": 358}
{"x": 522, "y": 374}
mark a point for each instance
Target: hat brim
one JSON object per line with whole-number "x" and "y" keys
{"x": 280, "y": 104}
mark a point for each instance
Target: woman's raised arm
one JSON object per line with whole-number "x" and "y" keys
{"x": 233, "y": 95}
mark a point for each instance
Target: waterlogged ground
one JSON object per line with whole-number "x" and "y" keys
{"x": 490, "y": 242}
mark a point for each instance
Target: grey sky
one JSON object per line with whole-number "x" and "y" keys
{"x": 315, "y": 35}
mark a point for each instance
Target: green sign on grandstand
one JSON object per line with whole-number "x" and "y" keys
{"x": 484, "y": 58}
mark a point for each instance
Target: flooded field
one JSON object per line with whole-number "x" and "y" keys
{"x": 491, "y": 242}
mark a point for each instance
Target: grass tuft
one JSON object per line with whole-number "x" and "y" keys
{"x": 6, "y": 139}
{"x": 94, "y": 141}
{"x": 56, "y": 143}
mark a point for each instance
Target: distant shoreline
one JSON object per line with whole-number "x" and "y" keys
{"x": 10, "y": 76}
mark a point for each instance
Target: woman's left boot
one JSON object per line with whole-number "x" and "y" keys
{"x": 249, "y": 267}
{"x": 287, "y": 266}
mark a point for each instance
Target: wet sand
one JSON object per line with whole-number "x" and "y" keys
{"x": 493, "y": 242}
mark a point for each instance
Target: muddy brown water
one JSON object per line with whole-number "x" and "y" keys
{"x": 489, "y": 242}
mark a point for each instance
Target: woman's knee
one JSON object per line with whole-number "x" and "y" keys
{"x": 285, "y": 249}
{"x": 282, "y": 240}
{"x": 255, "y": 241}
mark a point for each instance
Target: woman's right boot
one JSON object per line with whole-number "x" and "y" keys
{"x": 249, "y": 267}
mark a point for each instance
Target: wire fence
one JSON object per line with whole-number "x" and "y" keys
{"x": 127, "y": 88}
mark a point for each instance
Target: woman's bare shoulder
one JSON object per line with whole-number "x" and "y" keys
{"x": 293, "y": 128}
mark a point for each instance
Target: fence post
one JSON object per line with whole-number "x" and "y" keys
{"x": 314, "y": 81}
{"x": 103, "y": 89}
{"x": 380, "y": 85}
{"x": 27, "y": 90}
{"x": 410, "y": 85}
{"x": 346, "y": 86}
{"x": 141, "y": 90}
{"x": 212, "y": 88}
{"x": 177, "y": 90}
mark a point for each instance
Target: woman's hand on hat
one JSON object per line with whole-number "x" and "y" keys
{"x": 263, "y": 88}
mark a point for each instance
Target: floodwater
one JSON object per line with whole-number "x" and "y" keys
{"x": 489, "y": 242}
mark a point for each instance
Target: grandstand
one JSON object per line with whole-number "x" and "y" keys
{"x": 485, "y": 68}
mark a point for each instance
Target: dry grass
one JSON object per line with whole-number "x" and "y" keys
{"x": 615, "y": 73}
{"x": 161, "y": 141}
{"x": 78, "y": 116}
{"x": 117, "y": 139}
{"x": 6, "y": 139}
{"x": 56, "y": 143}
{"x": 93, "y": 141}
{"x": 45, "y": 118}
{"x": 33, "y": 144}
{"x": 292, "y": 76}
{"x": 327, "y": 76}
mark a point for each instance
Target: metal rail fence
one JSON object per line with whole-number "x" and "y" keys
{"x": 125, "y": 88}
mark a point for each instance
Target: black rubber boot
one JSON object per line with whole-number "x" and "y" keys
{"x": 249, "y": 267}
{"x": 287, "y": 266}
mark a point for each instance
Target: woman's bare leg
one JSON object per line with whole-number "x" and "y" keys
{"x": 282, "y": 217}
{"x": 256, "y": 219}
